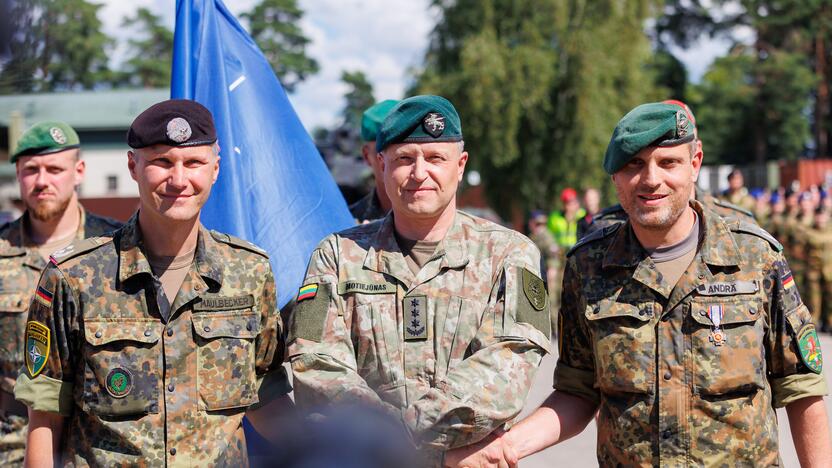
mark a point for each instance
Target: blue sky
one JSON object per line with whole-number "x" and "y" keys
{"x": 383, "y": 38}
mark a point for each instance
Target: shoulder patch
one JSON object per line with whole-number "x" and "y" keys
{"x": 733, "y": 207}
{"x": 308, "y": 317}
{"x": 751, "y": 228}
{"x": 77, "y": 248}
{"x": 594, "y": 236}
{"x": 237, "y": 242}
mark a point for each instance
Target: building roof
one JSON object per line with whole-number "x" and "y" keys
{"x": 84, "y": 110}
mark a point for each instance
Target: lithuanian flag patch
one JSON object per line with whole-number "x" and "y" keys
{"x": 307, "y": 292}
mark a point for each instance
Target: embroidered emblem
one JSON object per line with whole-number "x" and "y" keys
{"x": 308, "y": 292}
{"x": 119, "y": 382}
{"x": 415, "y": 316}
{"x": 57, "y": 135}
{"x": 535, "y": 289}
{"x": 434, "y": 124}
{"x": 809, "y": 344}
{"x": 37, "y": 347}
{"x": 179, "y": 130}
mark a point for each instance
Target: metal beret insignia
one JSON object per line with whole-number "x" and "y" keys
{"x": 434, "y": 124}
{"x": 179, "y": 130}
{"x": 681, "y": 124}
{"x": 57, "y": 135}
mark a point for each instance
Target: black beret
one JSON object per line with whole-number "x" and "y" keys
{"x": 175, "y": 122}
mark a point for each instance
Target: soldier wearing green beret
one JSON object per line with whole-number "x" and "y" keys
{"x": 375, "y": 204}
{"x": 148, "y": 346}
{"x": 434, "y": 315}
{"x": 48, "y": 168}
{"x": 681, "y": 330}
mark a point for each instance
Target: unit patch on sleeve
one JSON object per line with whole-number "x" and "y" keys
{"x": 809, "y": 345}
{"x": 532, "y": 304}
{"x": 308, "y": 318}
{"x": 37, "y": 347}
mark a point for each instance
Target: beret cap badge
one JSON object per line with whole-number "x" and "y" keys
{"x": 434, "y": 124}
{"x": 57, "y": 135}
{"x": 179, "y": 130}
{"x": 681, "y": 124}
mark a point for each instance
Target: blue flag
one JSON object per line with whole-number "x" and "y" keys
{"x": 274, "y": 189}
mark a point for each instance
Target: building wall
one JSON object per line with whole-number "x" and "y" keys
{"x": 103, "y": 164}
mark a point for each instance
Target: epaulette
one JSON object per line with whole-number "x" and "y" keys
{"x": 237, "y": 242}
{"x": 77, "y": 248}
{"x": 733, "y": 207}
{"x": 753, "y": 229}
{"x": 594, "y": 236}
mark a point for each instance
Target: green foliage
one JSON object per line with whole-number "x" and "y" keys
{"x": 359, "y": 97}
{"x": 149, "y": 65}
{"x": 58, "y": 45}
{"x": 275, "y": 27}
{"x": 539, "y": 86}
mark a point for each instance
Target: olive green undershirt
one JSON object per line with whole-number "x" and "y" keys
{"x": 45, "y": 250}
{"x": 674, "y": 260}
{"x": 416, "y": 252}
{"x": 171, "y": 271}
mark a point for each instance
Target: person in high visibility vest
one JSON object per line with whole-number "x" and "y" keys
{"x": 564, "y": 225}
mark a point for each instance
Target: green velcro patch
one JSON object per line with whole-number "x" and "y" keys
{"x": 308, "y": 317}
{"x": 37, "y": 347}
{"x": 809, "y": 345}
{"x": 346, "y": 287}
{"x": 532, "y": 304}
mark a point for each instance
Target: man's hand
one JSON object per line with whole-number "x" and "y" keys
{"x": 493, "y": 451}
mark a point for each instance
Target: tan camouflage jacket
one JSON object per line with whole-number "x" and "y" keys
{"x": 139, "y": 388}
{"x": 452, "y": 352}
{"x": 20, "y": 267}
{"x": 674, "y": 389}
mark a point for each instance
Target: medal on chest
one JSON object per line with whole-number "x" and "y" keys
{"x": 715, "y": 313}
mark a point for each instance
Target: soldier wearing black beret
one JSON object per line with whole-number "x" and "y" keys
{"x": 148, "y": 346}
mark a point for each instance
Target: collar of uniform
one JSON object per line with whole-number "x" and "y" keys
{"x": 132, "y": 261}
{"x": 205, "y": 257}
{"x": 718, "y": 247}
{"x": 386, "y": 253}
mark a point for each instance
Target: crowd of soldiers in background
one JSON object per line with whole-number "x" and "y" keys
{"x": 798, "y": 217}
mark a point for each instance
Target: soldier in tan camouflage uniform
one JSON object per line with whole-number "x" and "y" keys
{"x": 48, "y": 168}
{"x": 683, "y": 330}
{"x": 737, "y": 194}
{"x": 437, "y": 316}
{"x": 147, "y": 346}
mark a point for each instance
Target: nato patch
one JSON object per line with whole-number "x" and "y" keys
{"x": 415, "y": 318}
{"x": 531, "y": 305}
{"x": 37, "y": 347}
{"x": 308, "y": 317}
{"x": 119, "y": 382}
{"x": 809, "y": 345}
{"x": 434, "y": 124}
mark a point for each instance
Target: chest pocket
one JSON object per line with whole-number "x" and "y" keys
{"x": 12, "y": 327}
{"x": 735, "y": 361}
{"x": 624, "y": 341}
{"x": 121, "y": 367}
{"x": 226, "y": 375}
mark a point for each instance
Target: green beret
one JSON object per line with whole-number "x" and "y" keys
{"x": 373, "y": 117}
{"x": 46, "y": 138}
{"x": 653, "y": 124}
{"x": 420, "y": 119}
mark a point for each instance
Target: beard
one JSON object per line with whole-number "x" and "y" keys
{"x": 48, "y": 210}
{"x": 660, "y": 218}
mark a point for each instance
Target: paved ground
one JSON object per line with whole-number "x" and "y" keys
{"x": 580, "y": 450}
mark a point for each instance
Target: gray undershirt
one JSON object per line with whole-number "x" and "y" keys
{"x": 672, "y": 261}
